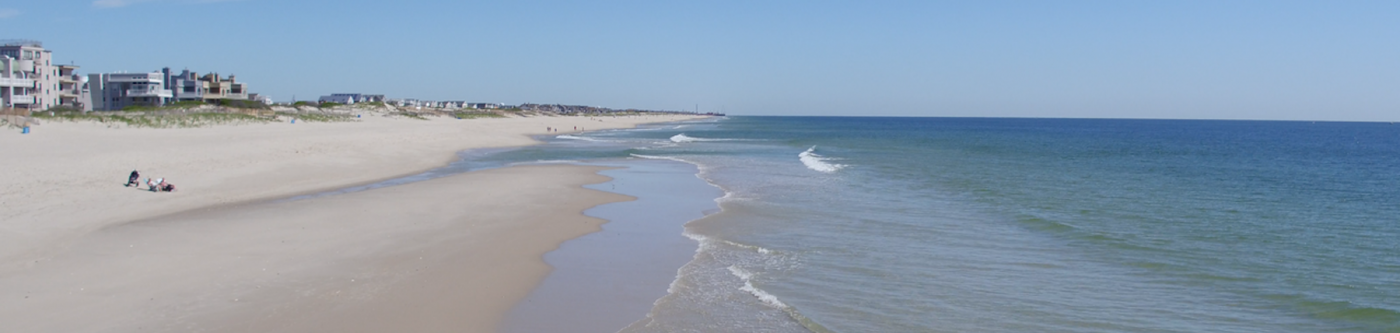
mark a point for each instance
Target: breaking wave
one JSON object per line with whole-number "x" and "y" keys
{"x": 818, "y": 162}
{"x": 762, "y": 296}
{"x": 682, "y": 138}
{"x": 651, "y": 157}
{"x": 580, "y": 138}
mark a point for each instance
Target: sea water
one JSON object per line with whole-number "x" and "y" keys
{"x": 1022, "y": 225}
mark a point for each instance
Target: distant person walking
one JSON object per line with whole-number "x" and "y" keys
{"x": 135, "y": 179}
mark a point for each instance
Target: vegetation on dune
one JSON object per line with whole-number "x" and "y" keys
{"x": 172, "y": 120}
{"x": 201, "y": 114}
{"x": 187, "y": 104}
{"x": 145, "y": 108}
{"x": 243, "y": 104}
{"x": 318, "y": 117}
{"x": 474, "y": 115}
{"x": 412, "y": 115}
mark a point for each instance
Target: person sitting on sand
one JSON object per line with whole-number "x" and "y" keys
{"x": 135, "y": 179}
{"x": 167, "y": 187}
{"x": 154, "y": 183}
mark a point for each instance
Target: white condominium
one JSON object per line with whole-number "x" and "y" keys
{"x": 28, "y": 78}
{"x": 72, "y": 89}
{"x": 120, "y": 90}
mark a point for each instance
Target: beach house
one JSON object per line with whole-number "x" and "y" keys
{"x": 210, "y": 88}
{"x": 28, "y": 78}
{"x": 346, "y": 99}
{"x": 485, "y": 105}
{"x": 351, "y": 98}
{"x": 260, "y": 98}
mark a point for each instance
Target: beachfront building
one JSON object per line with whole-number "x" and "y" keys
{"x": 210, "y": 88}
{"x": 346, "y": 99}
{"x": 72, "y": 89}
{"x": 370, "y": 98}
{"x": 351, "y": 98}
{"x": 485, "y": 105}
{"x": 260, "y": 98}
{"x": 114, "y": 91}
{"x": 405, "y": 102}
{"x": 28, "y": 78}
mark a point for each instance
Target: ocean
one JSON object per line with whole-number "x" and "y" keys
{"x": 851, "y": 224}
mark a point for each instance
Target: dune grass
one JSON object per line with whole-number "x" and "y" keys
{"x": 179, "y": 120}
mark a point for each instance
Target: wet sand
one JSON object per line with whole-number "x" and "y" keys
{"x": 605, "y": 281}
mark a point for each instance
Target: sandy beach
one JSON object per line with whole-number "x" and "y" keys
{"x": 80, "y": 252}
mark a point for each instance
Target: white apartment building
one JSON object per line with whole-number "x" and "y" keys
{"x": 72, "y": 89}
{"x": 119, "y": 90}
{"x": 28, "y": 78}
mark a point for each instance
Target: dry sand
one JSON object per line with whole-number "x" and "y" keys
{"x": 79, "y": 252}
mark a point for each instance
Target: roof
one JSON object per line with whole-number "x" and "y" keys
{"x": 21, "y": 42}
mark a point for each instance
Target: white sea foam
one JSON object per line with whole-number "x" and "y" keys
{"x": 818, "y": 162}
{"x": 659, "y": 145}
{"x": 762, "y": 296}
{"x": 545, "y": 162}
{"x": 651, "y": 157}
{"x": 682, "y": 138}
{"x": 580, "y": 138}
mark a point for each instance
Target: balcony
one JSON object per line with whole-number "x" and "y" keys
{"x": 134, "y": 78}
{"x": 149, "y": 93}
{"x": 21, "y": 99}
{"x": 190, "y": 95}
{"x": 16, "y": 82}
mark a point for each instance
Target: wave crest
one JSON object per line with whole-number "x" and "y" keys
{"x": 668, "y": 158}
{"x": 818, "y": 162}
{"x": 762, "y": 296}
{"x": 682, "y": 138}
{"x": 580, "y": 138}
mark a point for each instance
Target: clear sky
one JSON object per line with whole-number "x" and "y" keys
{"x": 1309, "y": 60}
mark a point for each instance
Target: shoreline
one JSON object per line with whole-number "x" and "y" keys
{"x": 631, "y": 263}
{"x": 42, "y": 248}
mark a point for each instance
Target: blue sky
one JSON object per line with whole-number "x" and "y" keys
{"x": 1305, "y": 60}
